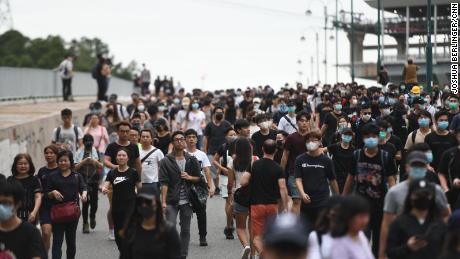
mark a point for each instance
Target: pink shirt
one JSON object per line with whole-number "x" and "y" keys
{"x": 100, "y": 135}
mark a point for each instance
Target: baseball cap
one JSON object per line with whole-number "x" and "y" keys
{"x": 417, "y": 156}
{"x": 147, "y": 192}
{"x": 347, "y": 131}
{"x": 416, "y": 89}
{"x": 421, "y": 186}
{"x": 286, "y": 228}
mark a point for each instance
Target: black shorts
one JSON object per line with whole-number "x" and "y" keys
{"x": 45, "y": 214}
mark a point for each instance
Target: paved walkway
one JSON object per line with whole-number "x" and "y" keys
{"x": 15, "y": 113}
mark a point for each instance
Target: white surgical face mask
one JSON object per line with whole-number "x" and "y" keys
{"x": 312, "y": 145}
{"x": 265, "y": 124}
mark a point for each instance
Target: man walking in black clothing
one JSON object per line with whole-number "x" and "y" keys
{"x": 101, "y": 79}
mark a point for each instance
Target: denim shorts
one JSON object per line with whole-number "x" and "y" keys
{"x": 292, "y": 188}
{"x": 238, "y": 208}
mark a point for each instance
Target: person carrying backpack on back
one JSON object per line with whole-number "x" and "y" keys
{"x": 67, "y": 136}
{"x": 372, "y": 170}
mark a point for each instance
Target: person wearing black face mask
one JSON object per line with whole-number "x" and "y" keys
{"x": 146, "y": 233}
{"x": 87, "y": 163}
{"x": 419, "y": 231}
{"x": 280, "y": 139}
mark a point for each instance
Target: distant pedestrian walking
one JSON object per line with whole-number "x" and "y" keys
{"x": 66, "y": 73}
{"x": 101, "y": 72}
{"x": 145, "y": 80}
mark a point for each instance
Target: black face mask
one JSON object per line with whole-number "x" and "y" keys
{"x": 421, "y": 203}
{"x": 219, "y": 116}
{"x": 279, "y": 143}
{"x": 146, "y": 211}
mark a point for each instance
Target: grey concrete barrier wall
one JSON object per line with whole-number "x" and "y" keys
{"x": 33, "y": 82}
{"x": 31, "y": 137}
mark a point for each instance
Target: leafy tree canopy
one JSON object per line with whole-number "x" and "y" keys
{"x": 17, "y": 50}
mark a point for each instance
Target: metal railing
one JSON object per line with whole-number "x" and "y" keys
{"x": 34, "y": 83}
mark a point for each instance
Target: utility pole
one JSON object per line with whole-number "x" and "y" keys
{"x": 379, "y": 6}
{"x": 325, "y": 44}
{"x": 352, "y": 45}
{"x": 311, "y": 68}
{"x": 317, "y": 57}
{"x": 429, "y": 50}
{"x": 336, "y": 42}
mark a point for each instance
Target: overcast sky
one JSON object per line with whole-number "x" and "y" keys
{"x": 215, "y": 44}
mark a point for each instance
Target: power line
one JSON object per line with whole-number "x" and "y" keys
{"x": 261, "y": 9}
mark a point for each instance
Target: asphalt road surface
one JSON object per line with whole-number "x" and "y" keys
{"x": 96, "y": 245}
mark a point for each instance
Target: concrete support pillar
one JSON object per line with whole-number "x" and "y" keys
{"x": 401, "y": 45}
{"x": 358, "y": 47}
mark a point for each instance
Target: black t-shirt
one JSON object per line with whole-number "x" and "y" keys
{"x": 67, "y": 186}
{"x": 24, "y": 242}
{"x": 265, "y": 174}
{"x": 343, "y": 162}
{"x": 259, "y": 140}
{"x": 323, "y": 109}
{"x": 390, "y": 148}
{"x": 438, "y": 144}
{"x": 149, "y": 244}
{"x": 163, "y": 143}
{"x": 114, "y": 147}
{"x": 42, "y": 175}
{"x": 124, "y": 184}
{"x": 371, "y": 173}
{"x": 296, "y": 145}
{"x": 396, "y": 141}
{"x": 316, "y": 172}
{"x": 31, "y": 186}
{"x": 449, "y": 165}
{"x": 216, "y": 135}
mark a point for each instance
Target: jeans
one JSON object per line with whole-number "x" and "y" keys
{"x": 202, "y": 222}
{"x": 185, "y": 218}
{"x": 66, "y": 88}
{"x": 91, "y": 202}
{"x": 70, "y": 231}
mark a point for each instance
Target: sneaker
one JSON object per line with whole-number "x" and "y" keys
{"x": 111, "y": 235}
{"x": 92, "y": 223}
{"x": 85, "y": 228}
{"x": 246, "y": 252}
{"x": 228, "y": 232}
{"x": 203, "y": 241}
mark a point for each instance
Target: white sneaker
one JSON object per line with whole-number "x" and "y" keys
{"x": 111, "y": 235}
{"x": 246, "y": 252}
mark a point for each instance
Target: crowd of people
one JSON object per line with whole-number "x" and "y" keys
{"x": 353, "y": 172}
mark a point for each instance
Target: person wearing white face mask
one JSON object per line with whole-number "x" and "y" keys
{"x": 314, "y": 173}
{"x": 18, "y": 238}
{"x": 365, "y": 118}
{"x": 264, "y": 121}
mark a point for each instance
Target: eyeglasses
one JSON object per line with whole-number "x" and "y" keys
{"x": 179, "y": 139}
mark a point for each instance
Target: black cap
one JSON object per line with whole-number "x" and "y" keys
{"x": 286, "y": 228}
{"x": 347, "y": 130}
{"x": 417, "y": 156}
{"x": 147, "y": 192}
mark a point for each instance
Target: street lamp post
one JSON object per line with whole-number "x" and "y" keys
{"x": 336, "y": 42}
{"x": 317, "y": 57}
{"x": 353, "y": 44}
{"x": 378, "y": 35}
{"x": 429, "y": 50}
{"x": 325, "y": 43}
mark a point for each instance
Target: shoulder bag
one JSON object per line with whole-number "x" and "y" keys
{"x": 66, "y": 211}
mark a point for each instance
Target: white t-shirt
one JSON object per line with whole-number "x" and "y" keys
{"x": 194, "y": 121}
{"x": 65, "y": 69}
{"x": 202, "y": 159}
{"x": 150, "y": 165}
{"x": 286, "y": 126}
{"x": 67, "y": 138}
